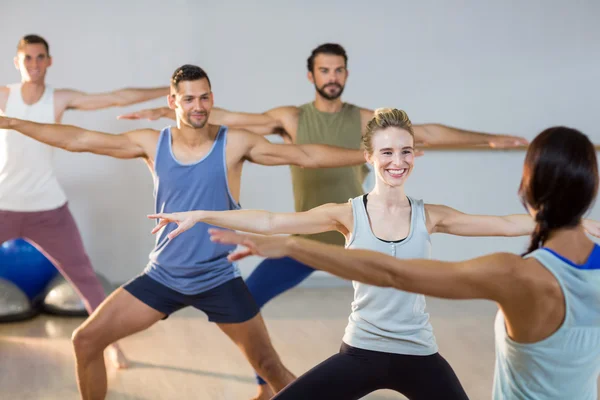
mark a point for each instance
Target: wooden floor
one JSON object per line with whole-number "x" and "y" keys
{"x": 186, "y": 357}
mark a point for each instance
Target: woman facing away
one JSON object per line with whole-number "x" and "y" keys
{"x": 548, "y": 326}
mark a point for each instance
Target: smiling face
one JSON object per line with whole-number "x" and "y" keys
{"x": 32, "y": 61}
{"x": 192, "y": 102}
{"x": 392, "y": 155}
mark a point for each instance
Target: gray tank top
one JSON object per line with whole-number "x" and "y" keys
{"x": 386, "y": 319}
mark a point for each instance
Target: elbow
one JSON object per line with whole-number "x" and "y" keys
{"x": 269, "y": 227}
{"x": 309, "y": 162}
{"x": 71, "y": 146}
{"x": 429, "y": 133}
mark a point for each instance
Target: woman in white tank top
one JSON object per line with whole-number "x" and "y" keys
{"x": 548, "y": 324}
{"x": 388, "y": 342}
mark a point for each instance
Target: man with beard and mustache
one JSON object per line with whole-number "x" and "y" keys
{"x": 33, "y": 204}
{"x": 196, "y": 165}
{"x": 326, "y": 120}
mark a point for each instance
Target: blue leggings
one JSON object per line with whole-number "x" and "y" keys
{"x": 273, "y": 277}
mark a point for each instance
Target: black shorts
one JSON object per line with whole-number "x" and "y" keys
{"x": 230, "y": 302}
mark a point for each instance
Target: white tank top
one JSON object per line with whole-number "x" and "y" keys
{"x": 27, "y": 180}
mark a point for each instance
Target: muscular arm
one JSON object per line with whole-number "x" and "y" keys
{"x": 438, "y": 134}
{"x": 75, "y": 139}
{"x": 270, "y": 122}
{"x": 261, "y": 151}
{"x": 73, "y": 99}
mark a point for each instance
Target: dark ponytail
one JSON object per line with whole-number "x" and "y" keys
{"x": 540, "y": 233}
{"x": 560, "y": 181}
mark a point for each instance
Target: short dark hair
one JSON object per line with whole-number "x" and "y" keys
{"x": 327, "y": 48}
{"x": 560, "y": 180}
{"x": 32, "y": 39}
{"x": 188, "y": 72}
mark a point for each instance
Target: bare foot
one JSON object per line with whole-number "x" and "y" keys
{"x": 116, "y": 356}
{"x": 264, "y": 393}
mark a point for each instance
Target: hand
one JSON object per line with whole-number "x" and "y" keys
{"x": 507, "y": 141}
{"x": 151, "y": 114}
{"x": 592, "y": 227}
{"x": 256, "y": 245}
{"x": 184, "y": 221}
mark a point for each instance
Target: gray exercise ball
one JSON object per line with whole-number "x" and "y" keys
{"x": 14, "y": 303}
{"x": 61, "y": 298}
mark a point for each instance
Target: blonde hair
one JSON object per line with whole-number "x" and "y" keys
{"x": 386, "y": 118}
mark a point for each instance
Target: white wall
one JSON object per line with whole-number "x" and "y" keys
{"x": 500, "y": 66}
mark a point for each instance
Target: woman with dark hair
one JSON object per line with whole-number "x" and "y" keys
{"x": 548, "y": 324}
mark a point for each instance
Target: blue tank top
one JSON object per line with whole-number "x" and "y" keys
{"x": 191, "y": 263}
{"x": 566, "y": 364}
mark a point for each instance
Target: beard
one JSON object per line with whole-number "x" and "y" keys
{"x": 328, "y": 96}
{"x": 195, "y": 123}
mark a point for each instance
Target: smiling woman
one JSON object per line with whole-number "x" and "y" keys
{"x": 389, "y": 342}
{"x": 394, "y": 145}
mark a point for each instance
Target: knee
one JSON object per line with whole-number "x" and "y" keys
{"x": 86, "y": 342}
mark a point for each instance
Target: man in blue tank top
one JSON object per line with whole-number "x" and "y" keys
{"x": 327, "y": 71}
{"x": 195, "y": 165}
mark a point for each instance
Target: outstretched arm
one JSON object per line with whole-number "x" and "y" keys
{"x": 266, "y": 123}
{"x": 261, "y": 151}
{"x": 75, "y": 139}
{"x": 320, "y": 219}
{"x": 443, "y": 219}
{"x": 487, "y": 277}
{"x": 73, "y": 99}
{"x": 437, "y": 134}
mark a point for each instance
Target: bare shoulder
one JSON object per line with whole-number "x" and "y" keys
{"x": 146, "y": 139}
{"x": 341, "y": 212}
{"x": 505, "y": 270}
{"x": 65, "y": 94}
{"x": 336, "y": 208}
{"x": 287, "y": 118}
{"x": 365, "y": 116}
{"x": 239, "y": 143}
{"x": 366, "y": 113}
{"x": 236, "y": 135}
{"x": 284, "y": 112}
{"x": 145, "y": 133}
{"x": 63, "y": 97}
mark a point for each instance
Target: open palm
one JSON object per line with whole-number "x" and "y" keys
{"x": 255, "y": 245}
{"x": 183, "y": 221}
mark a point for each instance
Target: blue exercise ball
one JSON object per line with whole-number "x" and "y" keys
{"x": 23, "y": 265}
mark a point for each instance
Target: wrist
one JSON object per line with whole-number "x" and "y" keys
{"x": 290, "y": 246}
{"x": 198, "y": 216}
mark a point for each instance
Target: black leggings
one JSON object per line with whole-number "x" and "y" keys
{"x": 354, "y": 373}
